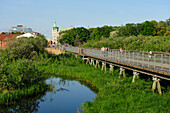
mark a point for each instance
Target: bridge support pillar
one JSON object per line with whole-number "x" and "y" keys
{"x": 135, "y": 74}
{"x": 111, "y": 68}
{"x": 87, "y": 61}
{"x": 103, "y": 66}
{"x": 122, "y": 71}
{"x": 97, "y": 64}
{"x": 156, "y": 82}
{"x": 76, "y": 55}
{"x": 92, "y": 62}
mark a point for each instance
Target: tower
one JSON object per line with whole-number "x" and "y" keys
{"x": 55, "y": 33}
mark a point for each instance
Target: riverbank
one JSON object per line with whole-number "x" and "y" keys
{"x": 114, "y": 95}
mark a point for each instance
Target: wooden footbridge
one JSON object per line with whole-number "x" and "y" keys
{"x": 139, "y": 62}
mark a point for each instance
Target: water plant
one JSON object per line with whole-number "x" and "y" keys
{"x": 114, "y": 94}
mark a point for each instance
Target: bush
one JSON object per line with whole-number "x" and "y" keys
{"x": 28, "y": 48}
{"x": 140, "y": 43}
{"x": 18, "y": 74}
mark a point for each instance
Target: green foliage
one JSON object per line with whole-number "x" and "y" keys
{"x": 75, "y": 36}
{"x": 115, "y": 95}
{"x": 20, "y": 94}
{"x": 16, "y": 32}
{"x": 28, "y": 48}
{"x": 97, "y": 33}
{"x": 78, "y": 36}
{"x": 18, "y": 74}
{"x": 147, "y": 28}
{"x": 140, "y": 43}
{"x": 3, "y": 33}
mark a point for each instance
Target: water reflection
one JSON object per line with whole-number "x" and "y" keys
{"x": 27, "y": 105}
{"x": 66, "y": 97}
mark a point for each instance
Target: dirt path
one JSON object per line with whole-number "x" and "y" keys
{"x": 54, "y": 51}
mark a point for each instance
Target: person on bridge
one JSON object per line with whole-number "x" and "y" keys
{"x": 121, "y": 51}
{"x": 102, "y": 49}
{"x": 150, "y": 54}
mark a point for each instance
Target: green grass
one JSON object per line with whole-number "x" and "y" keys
{"x": 19, "y": 94}
{"x": 114, "y": 94}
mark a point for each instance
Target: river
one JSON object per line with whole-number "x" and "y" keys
{"x": 66, "y": 97}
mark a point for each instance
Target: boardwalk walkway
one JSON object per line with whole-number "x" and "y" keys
{"x": 159, "y": 63}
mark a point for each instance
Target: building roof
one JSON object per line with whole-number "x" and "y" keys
{"x": 54, "y": 24}
{"x": 26, "y": 35}
{"x": 10, "y": 36}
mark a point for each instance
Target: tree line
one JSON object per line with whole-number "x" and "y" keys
{"x": 147, "y": 28}
{"x": 12, "y": 33}
{"x": 80, "y": 35}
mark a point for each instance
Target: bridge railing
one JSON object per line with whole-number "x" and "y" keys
{"x": 157, "y": 61}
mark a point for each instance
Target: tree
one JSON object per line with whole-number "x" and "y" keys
{"x": 3, "y": 33}
{"x": 148, "y": 28}
{"x": 79, "y": 35}
{"x": 168, "y": 22}
{"x": 131, "y": 29}
{"x": 139, "y": 28}
{"x": 12, "y": 33}
{"x": 98, "y": 32}
{"x": 167, "y": 33}
{"x": 28, "y": 48}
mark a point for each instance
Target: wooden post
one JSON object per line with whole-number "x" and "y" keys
{"x": 103, "y": 66}
{"x": 120, "y": 73}
{"x": 76, "y": 55}
{"x": 97, "y": 64}
{"x": 111, "y": 68}
{"x": 92, "y": 61}
{"x": 87, "y": 61}
{"x": 156, "y": 82}
{"x": 135, "y": 74}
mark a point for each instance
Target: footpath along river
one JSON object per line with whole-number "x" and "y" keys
{"x": 68, "y": 95}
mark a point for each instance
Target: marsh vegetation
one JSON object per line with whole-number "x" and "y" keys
{"x": 22, "y": 76}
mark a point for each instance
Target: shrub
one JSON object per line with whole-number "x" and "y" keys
{"x": 18, "y": 74}
{"x": 28, "y": 48}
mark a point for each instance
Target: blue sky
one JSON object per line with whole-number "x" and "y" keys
{"x": 40, "y": 14}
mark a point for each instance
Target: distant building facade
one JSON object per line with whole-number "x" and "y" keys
{"x": 56, "y": 30}
{"x": 5, "y": 38}
{"x": 21, "y": 28}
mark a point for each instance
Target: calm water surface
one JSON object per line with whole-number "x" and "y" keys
{"x": 67, "y": 97}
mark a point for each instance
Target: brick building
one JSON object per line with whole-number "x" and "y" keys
{"x": 5, "y": 38}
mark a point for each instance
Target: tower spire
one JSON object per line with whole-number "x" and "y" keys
{"x": 54, "y": 26}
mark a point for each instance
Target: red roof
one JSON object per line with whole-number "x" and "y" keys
{"x": 10, "y": 36}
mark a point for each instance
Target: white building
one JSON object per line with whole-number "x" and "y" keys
{"x": 56, "y": 30}
{"x": 26, "y": 35}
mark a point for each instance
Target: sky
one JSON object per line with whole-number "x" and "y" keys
{"x": 41, "y": 14}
